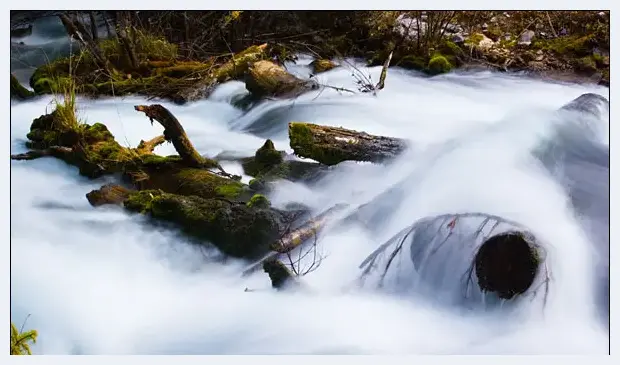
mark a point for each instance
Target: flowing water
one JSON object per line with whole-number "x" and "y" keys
{"x": 101, "y": 281}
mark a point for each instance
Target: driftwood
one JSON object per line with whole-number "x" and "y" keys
{"x": 293, "y": 239}
{"x": 174, "y": 132}
{"x": 54, "y": 151}
{"x": 332, "y": 145}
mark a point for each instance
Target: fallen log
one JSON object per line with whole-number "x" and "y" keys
{"x": 295, "y": 238}
{"x": 267, "y": 79}
{"x": 332, "y": 145}
{"x": 484, "y": 255}
{"x": 235, "y": 68}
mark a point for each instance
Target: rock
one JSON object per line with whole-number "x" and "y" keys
{"x": 563, "y": 32}
{"x": 279, "y": 274}
{"x": 526, "y": 38}
{"x": 506, "y": 15}
{"x": 458, "y": 38}
{"x": 485, "y": 26}
{"x": 408, "y": 27}
{"x": 507, "y": 36}
{"x": 539, "y": 55}
{"x": 493, "y": 19}
{"x": 453, "y": 28}
{"x": 486, "y": 43}
{"x": 322, "y": 65}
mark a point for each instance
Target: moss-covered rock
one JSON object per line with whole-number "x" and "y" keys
{"x": 18, "y": 91}
{"x": 439, "y": 64}
{"x": 236, "y": 229}
{"x": 259, "y": 201}
{"x": 265, "y": 158}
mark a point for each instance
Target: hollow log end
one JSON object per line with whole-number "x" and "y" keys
{"x": 507, "y": 264}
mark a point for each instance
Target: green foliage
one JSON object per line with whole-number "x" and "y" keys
{"x": 586, "y": 65}
{"x": 20, "y": 341}
{"x": 474, "y": 39}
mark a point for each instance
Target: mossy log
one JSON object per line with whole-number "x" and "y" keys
{"x": 332, "y": 145}
{"x": 179, "y": 81}
{"x": 267, "y": 79}
{"x": 93, "y": 149}
{"x": 18, "y": 91}
{"x": 235, "y": 228}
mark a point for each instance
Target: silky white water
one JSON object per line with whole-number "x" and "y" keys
{"x": 101, "y": 281}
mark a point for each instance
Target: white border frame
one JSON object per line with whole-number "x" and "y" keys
{"x": 306, "y": 5}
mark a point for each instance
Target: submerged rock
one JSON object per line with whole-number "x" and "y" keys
{"x": 322, "y": 65}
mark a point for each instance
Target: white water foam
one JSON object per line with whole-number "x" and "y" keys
{"x": 103, "y": 281}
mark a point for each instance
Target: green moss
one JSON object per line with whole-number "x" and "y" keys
{"x": 229, "y": 191}
{"x": 153, "y": 160}
{"x": 235, "y": 229}
{"x": 258, "y": 201}
{"x": 18, "y": 91}
{"x": 302, "y": 142}
{"x": 586, "y": 65}
{"x": 141, "y": 201}
{"x": 239, "y": 64}
{"x": 184, "y": 69}
{"x": 449, "y": 48}
{"x": 413, "y": 62}
{"x": 439, "y": 64}
{"x": 204, "y": 183}
{"x": 569, "y": 45}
